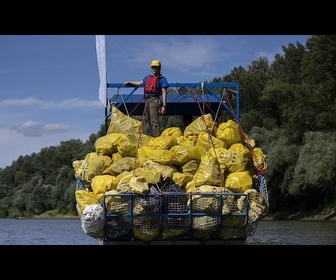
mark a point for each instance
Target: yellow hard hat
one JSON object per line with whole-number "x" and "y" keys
{"x": 155, "y": 62}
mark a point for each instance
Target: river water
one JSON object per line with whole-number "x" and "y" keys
{"x": 294, "y": 233}
{"x": 69, "y": 232}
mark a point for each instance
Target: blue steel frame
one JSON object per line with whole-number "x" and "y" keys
{"x": 205, "y": 86}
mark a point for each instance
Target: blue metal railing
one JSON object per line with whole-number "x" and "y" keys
{"x": 208, "y": 88}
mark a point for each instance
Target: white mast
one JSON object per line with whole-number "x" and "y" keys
{"x": 101, "y": 58}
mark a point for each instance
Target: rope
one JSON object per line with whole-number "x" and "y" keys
{"x": 261, "y": 171}
{"x": 242, "y": 132}
{"x": 202, "y": 111}
{"x": 85, "y": 167}
{"x": 139, "y": 133}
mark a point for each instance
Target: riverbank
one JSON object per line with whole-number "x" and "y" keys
{"x": 302, "y": 215}
{"x": 285, "y": 214}
{"x": 52, "y": 214}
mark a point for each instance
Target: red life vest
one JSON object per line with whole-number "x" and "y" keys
{"x": 152, "y": 85}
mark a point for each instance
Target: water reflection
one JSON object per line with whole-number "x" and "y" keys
{"x": 294, "y": 233}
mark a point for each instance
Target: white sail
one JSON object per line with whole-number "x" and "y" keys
{"x": 101, "y": 58}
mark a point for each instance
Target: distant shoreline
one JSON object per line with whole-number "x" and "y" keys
{"x": 301, "y": 216}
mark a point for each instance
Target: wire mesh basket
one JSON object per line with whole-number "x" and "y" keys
{"x": 172, "y": 213}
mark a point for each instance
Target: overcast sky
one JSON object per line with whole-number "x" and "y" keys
{"x": 49, "y": 84}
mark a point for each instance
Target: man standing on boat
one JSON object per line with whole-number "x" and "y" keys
{"x": 155, "y": 88}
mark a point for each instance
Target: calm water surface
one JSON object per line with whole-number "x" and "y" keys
{"x": 43, "y": 232}
{"x": 69, "y": 232}
{"x": 294, "y": 233}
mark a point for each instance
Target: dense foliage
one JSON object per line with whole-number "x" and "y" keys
{"x": 287, "y": 106}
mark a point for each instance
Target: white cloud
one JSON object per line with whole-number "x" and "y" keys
{"x": 193, "y": 52}
{"x": 14, "y": 144}
{"x": 35, "y": 129}
{"x": 29, "y": 124}
{"x": 54, "y": 104}
{"x": 201, "y": 56}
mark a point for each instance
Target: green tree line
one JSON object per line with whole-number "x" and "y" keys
{"x": 287, "y": 107}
